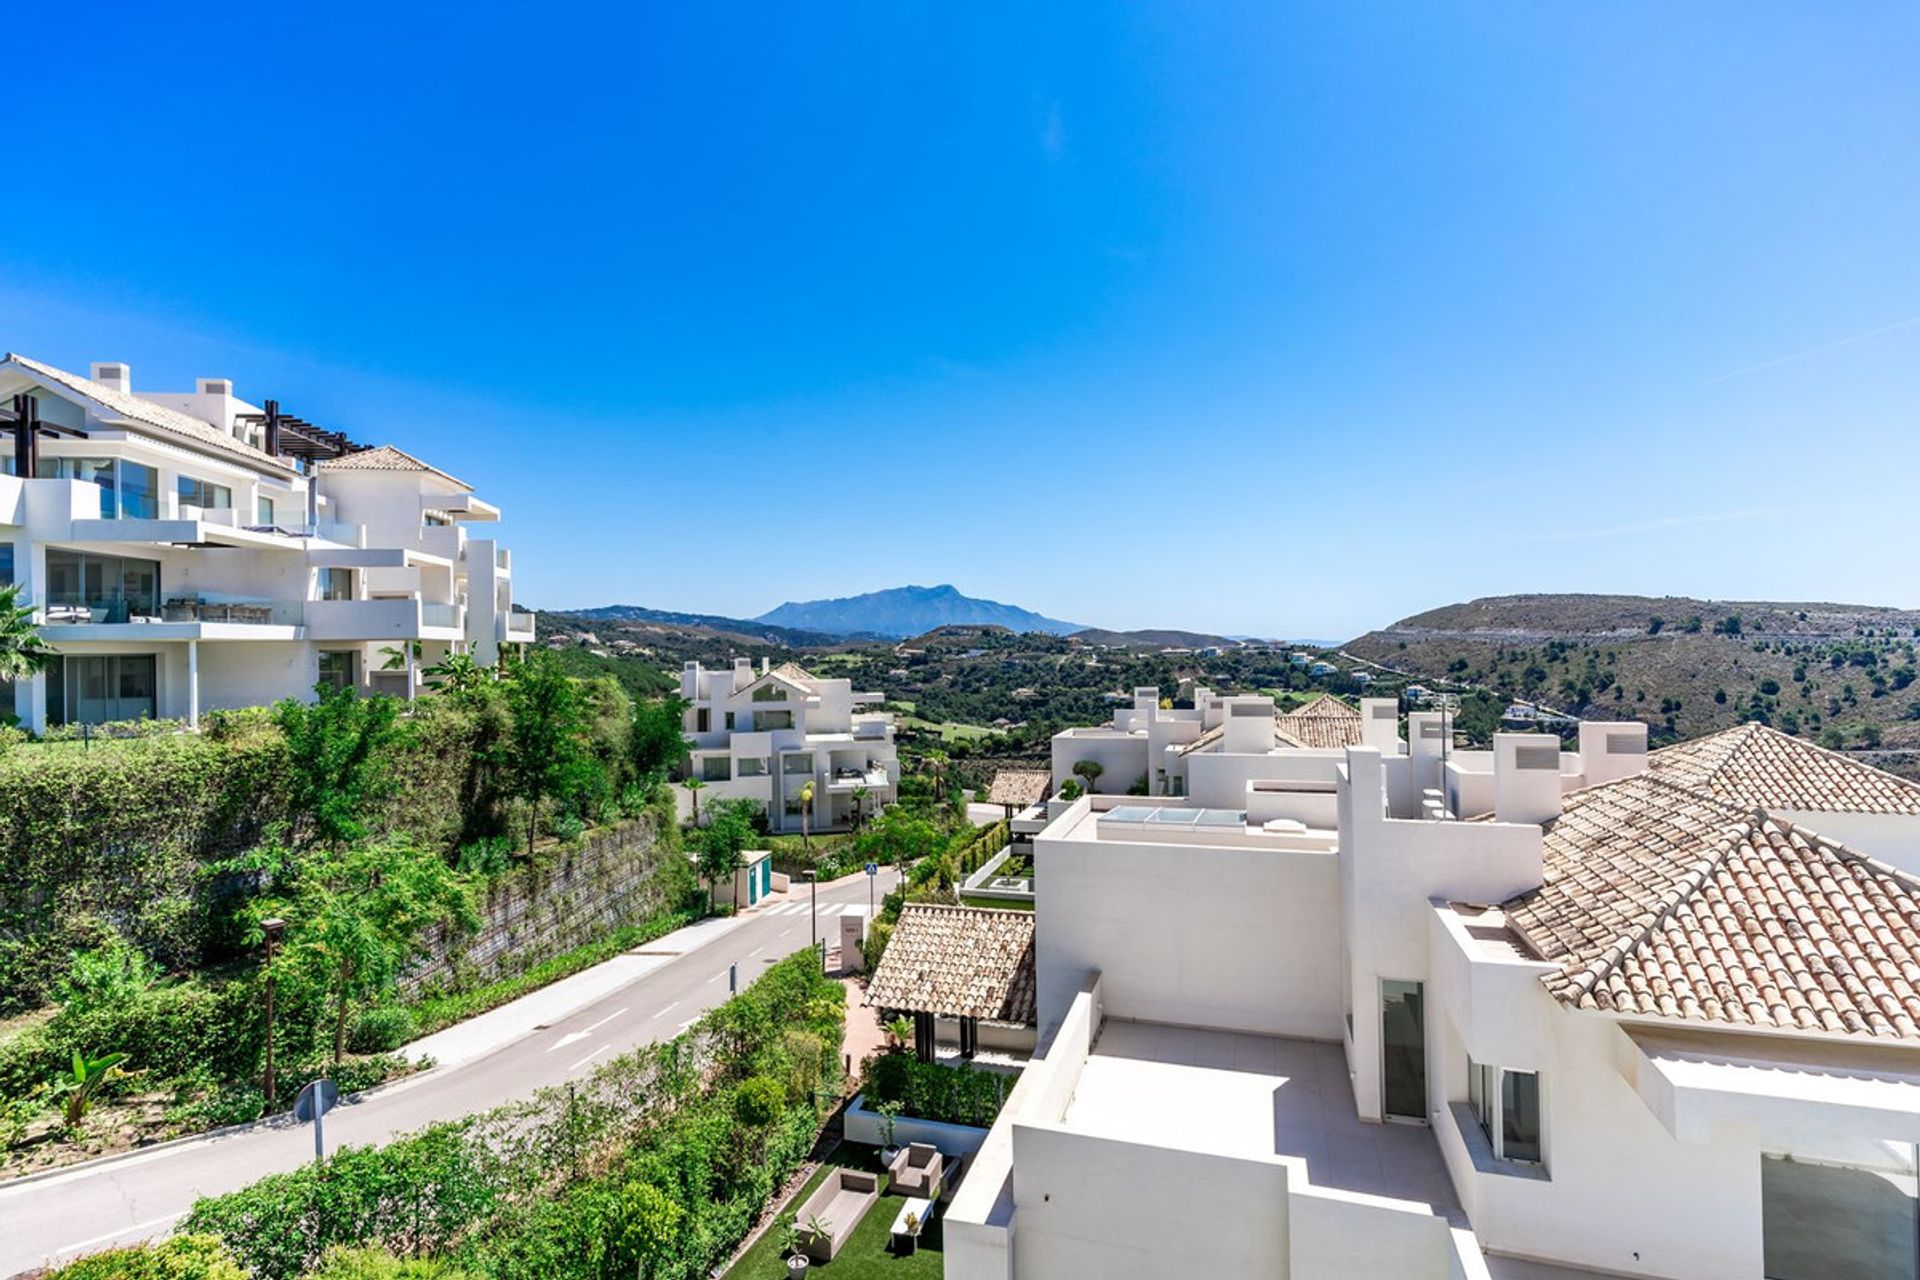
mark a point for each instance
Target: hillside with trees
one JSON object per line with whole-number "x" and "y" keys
{"x": 1842, "y": 675}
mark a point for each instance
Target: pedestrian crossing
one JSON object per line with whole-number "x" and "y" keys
{"x": 788, "y": 909}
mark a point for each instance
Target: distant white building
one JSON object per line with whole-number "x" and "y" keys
{"x": 185, "y": 551}
{"x": 1151, "y": 750}
{"x": 764, "y": 735}
{"x": 1401, "y": 1012}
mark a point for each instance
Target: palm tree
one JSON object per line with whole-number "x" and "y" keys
{"x": 806, "y": 807}
{"x": 22, "y": 652}
{"x": 693, "y": 786}
{"x": 859, "y": 806}
{"x": 456, "y": 673}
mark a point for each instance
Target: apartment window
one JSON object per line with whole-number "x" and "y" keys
{"x": 753, "y": 766}
{"x": 716, "y": 769}
{"x": 6, "y": 564}
{"x": 767, "y": 720}
{"x": 116, "y": 587}
{"x": 1507, "y": 1105}
{"x": 770, "y": 693}
{"x": 263, "y": 512}
{"x": 729, "y": 722}
{"x": 702, "y": 720}
{"x": 339, "y": 668}
{"x": 205, "y": 494}
{"x": 336, "y": 584}
{"x": 434, "y": 520}
{"x": 797, "y": 762}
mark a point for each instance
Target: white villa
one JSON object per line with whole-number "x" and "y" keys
{"x": 185, "y": 551}
{"x": 1395, "y": 1012}
{"x": 1215, "y": 745}
{"x": 764, "y": 735}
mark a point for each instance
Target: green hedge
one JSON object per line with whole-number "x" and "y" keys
{"x": 646, "y": 1160}
{"x": 929, "y": 1091}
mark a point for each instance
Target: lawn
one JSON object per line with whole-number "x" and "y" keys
{"x": 865, "y": 1255}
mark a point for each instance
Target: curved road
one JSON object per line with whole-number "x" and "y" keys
{"x": 124, "y": 1199}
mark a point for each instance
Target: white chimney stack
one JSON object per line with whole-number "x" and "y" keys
{"x": 1612, "y": 749}
{"x": 1249, "y": 726}
{"x": 114, "y": 374}
{"x": 1526, "y": 777}
{"x": 1380, "y": 724}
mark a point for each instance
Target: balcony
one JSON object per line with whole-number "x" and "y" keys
{"x": 516, "y": 627}
{"x": 872, "y": 778}
{"x": 184, "y": 617}
{"x": 398, "y": 618}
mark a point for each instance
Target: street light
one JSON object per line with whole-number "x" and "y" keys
{"x": 272, "y": 929}
{"x": 813, "y": 913}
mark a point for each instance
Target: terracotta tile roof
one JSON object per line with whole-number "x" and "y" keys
{"x": 121, "y": 404}
{"x": 1662, "y": 902}
{"x": 385, "y": 457}
{"x": 1326, "y": 705}
{"x": 1319, "y": 730}
{"x": 1292, "y": 729}
{"x": 1757, "y": 766}
{"x": 1020, "y": 787}
{"x": 960, "y": 962}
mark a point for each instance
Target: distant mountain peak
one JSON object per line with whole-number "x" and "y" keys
{"x": 913, "y": 610}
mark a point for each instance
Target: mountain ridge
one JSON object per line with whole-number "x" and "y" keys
{"x": 901, "y": 612}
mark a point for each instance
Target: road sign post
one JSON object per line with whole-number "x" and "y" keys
{"x": 314, "y": 1102}
{"x": 873, "y": 870}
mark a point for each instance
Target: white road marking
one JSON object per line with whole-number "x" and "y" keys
{"x": 589, "y": 1058}
{"x": 604, "y": 1021}
{"x": 756, "y": 951}
{"x": 90, "y": 1241}
{"x": 665, "y": 1009}
{"x": 683, "y": 1026}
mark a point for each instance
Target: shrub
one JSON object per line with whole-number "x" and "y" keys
{"x": 378, "y": 1264}
{"x": 188, "y": 1257}
{"x": 929, "y": 1091}
{"x": 382, "y": 1029}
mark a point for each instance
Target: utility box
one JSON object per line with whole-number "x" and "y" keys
{"x": 853, "y": 937}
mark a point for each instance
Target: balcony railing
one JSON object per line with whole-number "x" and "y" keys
{"x": 433, "y": 614}
{"x": 116, "y": 609}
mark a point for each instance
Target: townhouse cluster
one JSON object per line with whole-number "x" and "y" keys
{"x": 1379, "y": 1008}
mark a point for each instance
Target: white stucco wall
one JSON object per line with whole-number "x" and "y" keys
{"x": 1239, "y": 939}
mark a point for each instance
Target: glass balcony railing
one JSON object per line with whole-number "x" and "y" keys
{"x": 433, "y": 614}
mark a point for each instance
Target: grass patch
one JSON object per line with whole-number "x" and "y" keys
{"x": 865, "y": 1255}
{"x": 998, "y": 904}
{"x": 436, "y": 1013}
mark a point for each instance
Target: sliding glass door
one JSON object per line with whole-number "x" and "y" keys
{"x": 103, "y": 689}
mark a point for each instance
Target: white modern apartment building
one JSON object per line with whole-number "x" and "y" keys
{"x": 1148, "y": 749}
{"x": 1517, "y": 1013}
{"x": 185, "y": 551}
{"x": 765, "y": 734}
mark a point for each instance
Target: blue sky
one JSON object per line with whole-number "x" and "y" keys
{"x": 1268, "y": 318}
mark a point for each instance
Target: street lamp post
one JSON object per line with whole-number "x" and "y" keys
{"x": 271, "y": 929}
{"x": 813, "y": 912}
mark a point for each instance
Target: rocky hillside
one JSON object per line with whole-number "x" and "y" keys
{"x": 1840, "y": 674}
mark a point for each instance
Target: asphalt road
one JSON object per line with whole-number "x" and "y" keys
{"x": 141, "y": 1196}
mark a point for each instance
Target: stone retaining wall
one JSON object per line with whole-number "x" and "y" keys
{"x": 616, "y": 877}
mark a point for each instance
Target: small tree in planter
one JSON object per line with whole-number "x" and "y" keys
{"x": 899, "y": 1033}
{"x": 889, "y": 1113}
{"x": 911, "y": 1240}
{"x": 786, "y": 1238}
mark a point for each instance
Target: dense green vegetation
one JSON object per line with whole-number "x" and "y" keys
{"x": 962, "y": 1094}
{"x": 657, "y": 1164}
{"x": 137, "y": 884}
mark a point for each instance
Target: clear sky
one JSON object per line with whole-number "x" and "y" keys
{"x": 1269, "y": 318}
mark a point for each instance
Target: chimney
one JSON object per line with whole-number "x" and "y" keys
{"x": 114, "y": 374}
{"x": 1249, "y": 726}
{"x": 766, "y": 664}
{"x": 1380, "y": 724}
{"x": 1612, "y": 749}
{"x": 215, "y": 401}
{"x": 1146, "y": 701}
{"x": 1526, "y": 777}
